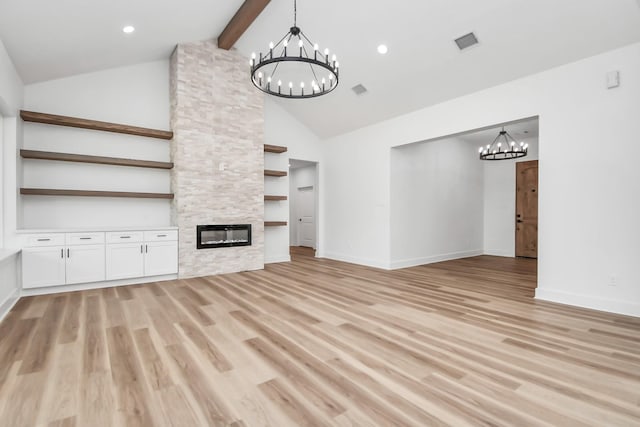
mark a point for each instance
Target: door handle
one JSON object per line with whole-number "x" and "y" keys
{"x": 519, "y": 221}
{"x": 300, "y": 219}
{"x": 68, "y": 253}
{"x": 62, "y": 253}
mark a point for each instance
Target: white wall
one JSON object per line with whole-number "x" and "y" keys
{"x": 588, "y": 228}
{"x": 11, "y": 99}
{"x": 9, "y": 282}
{"x": 300, "y": 177}
{"x": 500, "y": 202}
{"x": 11, "y": 87}
{"x": 11, "y": 94}
{"x": 436, "y": 202}
{"x": 136, "y": 95}
{"x": 281, "y": 128}
{"x": 2, "y": 167}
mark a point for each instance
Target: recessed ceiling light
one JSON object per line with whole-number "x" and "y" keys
{"x": 128, "y": 29}
{"x": 382, "y": 49}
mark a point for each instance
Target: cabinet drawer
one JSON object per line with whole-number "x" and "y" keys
{"x": 160, "y": 235}
{"x": 40, "y": 240}
{"x": 85, "y": 238}
{"x": 125, "y": 236}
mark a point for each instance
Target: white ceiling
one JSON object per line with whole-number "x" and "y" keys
{"x": 519, "y": 130}
{"x": 50, "y": 39}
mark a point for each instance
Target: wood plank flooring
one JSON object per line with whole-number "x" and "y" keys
{"x": 320, "y": 343}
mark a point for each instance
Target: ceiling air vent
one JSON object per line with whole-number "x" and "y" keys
{"x": 466, "y": 41}
{"x": 359, "y": 89}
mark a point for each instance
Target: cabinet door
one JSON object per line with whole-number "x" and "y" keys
{"x": 85, "y": 264}
{"x": 43, "y": 267}
{"x": 160, "y": 258}
{"x": 125, "y": 260}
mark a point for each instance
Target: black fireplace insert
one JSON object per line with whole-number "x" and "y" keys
{"x": 223, "y": 236}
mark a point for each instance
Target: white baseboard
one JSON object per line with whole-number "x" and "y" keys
{"x": 8, "y": 303}
{"x": 589, "y": 301}
{"x": 508, "y": 254}
{"x": 275, "y": 259}
{"x": 355, "y": 260}
{"x": 96, "y": 285}
{"x": 412, "y": 262}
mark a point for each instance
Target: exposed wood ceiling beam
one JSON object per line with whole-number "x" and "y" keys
{"x": 240, "y": 22}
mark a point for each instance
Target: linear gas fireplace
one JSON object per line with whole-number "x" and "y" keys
{"x": 223, "y": 236}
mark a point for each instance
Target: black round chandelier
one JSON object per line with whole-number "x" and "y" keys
{"x": 503, "y": 147}
{"x": 295, "y": 67}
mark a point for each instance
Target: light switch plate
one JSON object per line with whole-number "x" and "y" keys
{"x": 613, "y": 79}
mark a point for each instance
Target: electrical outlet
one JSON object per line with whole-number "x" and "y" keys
{"x": 613, "y": 280}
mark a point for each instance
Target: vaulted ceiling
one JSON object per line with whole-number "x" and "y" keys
{"x": 48, "y": 39}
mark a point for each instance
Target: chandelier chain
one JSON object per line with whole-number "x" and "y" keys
{"x": 295, "y": 13}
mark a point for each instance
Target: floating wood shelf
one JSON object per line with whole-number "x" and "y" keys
{"x": 87, "y": 193}
{"x": 274, "y": 148}
{"x": 275, "y": 223}
{"x": 53, "y": 119}
{"x": 274, "y": 198}
{"x": 81, "y": 158}
{"x": 268, "y": 172}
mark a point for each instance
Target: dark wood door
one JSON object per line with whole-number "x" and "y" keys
{"x": 527, "y": 209}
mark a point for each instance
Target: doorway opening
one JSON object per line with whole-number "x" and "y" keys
{"x": 303, "y": 207}
{"x": 511, "y": 193}
{"x": 448, "y": 204}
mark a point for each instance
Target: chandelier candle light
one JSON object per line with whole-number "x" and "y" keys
{"x": 291, "y": 58}
{"x": 504, "y": 147}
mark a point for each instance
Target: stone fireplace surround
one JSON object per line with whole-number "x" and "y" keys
{"x": 218, "y": 176}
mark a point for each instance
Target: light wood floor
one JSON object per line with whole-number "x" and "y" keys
{"x": 318, "y": 342}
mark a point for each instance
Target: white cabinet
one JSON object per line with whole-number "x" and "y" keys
{"x": 125, "y": 260}
{"x": 54, "y": 259}
{"x": 155, "y": 255}
{"x": 44, "y": 266}
{"x": 160, "y": 258}
{"x": 62, "y": 265}
{"x": 85, "y": 264}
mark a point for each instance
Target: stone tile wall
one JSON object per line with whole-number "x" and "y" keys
{"x": 218, "y": 123}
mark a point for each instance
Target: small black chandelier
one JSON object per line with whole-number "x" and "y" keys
{"x": 504, "y": 147}
{"x": 278, "y": 71}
